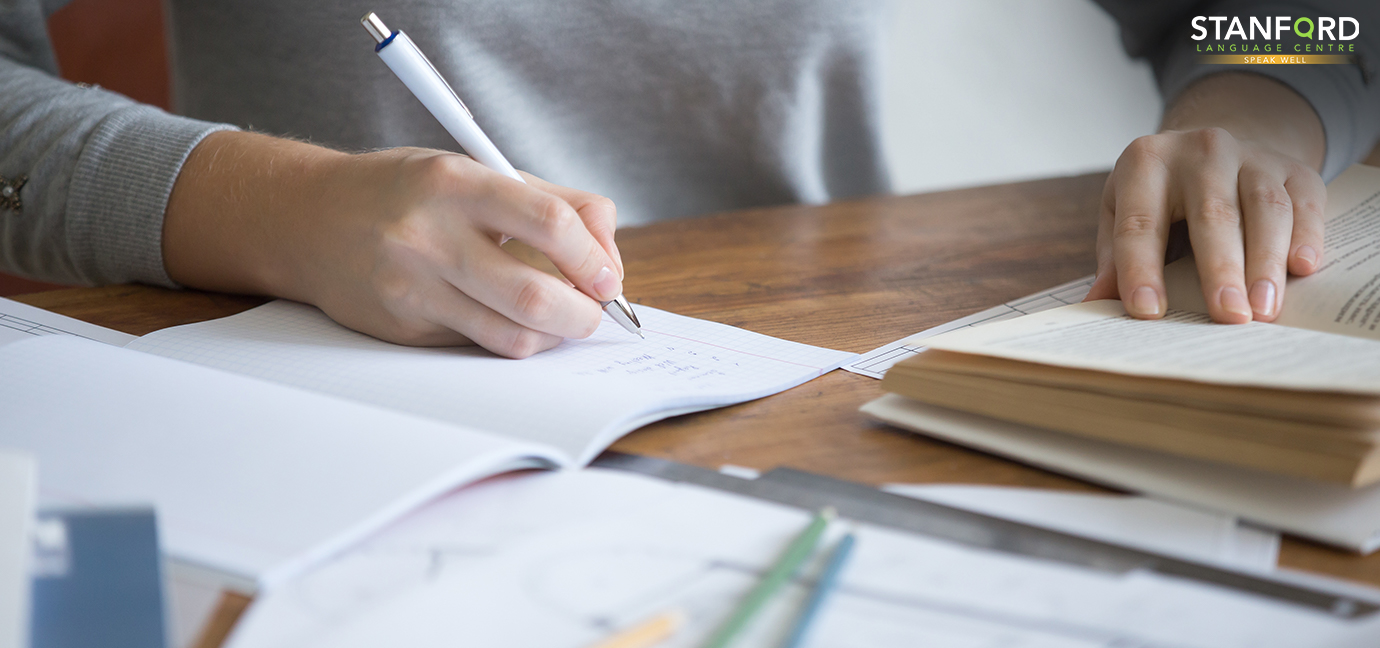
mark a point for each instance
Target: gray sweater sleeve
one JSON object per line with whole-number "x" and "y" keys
{"x": 99, "y": 167}
{"x": 1346, "y": 97}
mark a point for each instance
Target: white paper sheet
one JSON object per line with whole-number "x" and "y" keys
{"x": 874, "y": 363}
{"x": 248, "y": 477}
{"x": 22, "y": 321}
{"x": 1181, "y": 346}
{"x": 564, "y": 559}
{"x": 17, "y": 485}
{"x": 1326, "y": 512}
{"x": 578, "y": 397}
{"x": 1129, "y": 520}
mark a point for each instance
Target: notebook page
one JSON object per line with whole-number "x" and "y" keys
{"x": 579, "y": 397}
{"x": 1185, "y": 346}
{"x": 249, "y": 478}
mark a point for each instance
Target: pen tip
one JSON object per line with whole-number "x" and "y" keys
{"x": 639, "y": 334}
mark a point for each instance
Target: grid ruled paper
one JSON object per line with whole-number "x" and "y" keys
{"x": 579, "y": 397}
{"x": 22, "y": 321}
{"x": 874, "y": 363}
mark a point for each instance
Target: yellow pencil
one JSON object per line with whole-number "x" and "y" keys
{"x": 648, "y": 633}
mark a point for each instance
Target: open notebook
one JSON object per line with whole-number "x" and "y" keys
{"x": 276, "y": 437}
{"x": 579, "y": 397}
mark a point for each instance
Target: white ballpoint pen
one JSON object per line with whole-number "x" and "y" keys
{"x": 420, "y": 76}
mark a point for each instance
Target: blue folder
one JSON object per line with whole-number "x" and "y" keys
{"x": 97, "y": 580}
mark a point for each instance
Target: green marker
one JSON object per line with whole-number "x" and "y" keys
{"x": 796, "y": 554}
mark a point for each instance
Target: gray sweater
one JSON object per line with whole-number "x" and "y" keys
{"x": 670, "y": 108}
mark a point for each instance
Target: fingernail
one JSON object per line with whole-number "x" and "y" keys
{"x": 1263, "y": 297}
{"x": 606, "y": 284}
{"x": 1308, "y": 255}
{"x": 1145, "y": 301}
{"x": 1234, "y": 302}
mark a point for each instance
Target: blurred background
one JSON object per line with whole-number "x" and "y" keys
{"x": 977, "y": 92}
{"x": 987, "y": 91}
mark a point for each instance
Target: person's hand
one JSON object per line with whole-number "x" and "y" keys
{"x": 1238, "y": 160}
{"x": 401, "y": 244}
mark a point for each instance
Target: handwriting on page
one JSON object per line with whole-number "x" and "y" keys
{"x": 686, "y": 354}
{"x": 672, "y": 361}
{"x": 585, "y": 386}
{"x": 577, "y": 397}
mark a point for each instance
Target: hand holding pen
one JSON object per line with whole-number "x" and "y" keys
{"x": 417, "y": 73}
{"x": 402, "y": 244}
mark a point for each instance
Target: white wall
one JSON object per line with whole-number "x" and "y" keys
{"x": 987, "y": 91}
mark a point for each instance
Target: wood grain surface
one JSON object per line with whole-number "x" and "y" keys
{"x": 851, "y": 276}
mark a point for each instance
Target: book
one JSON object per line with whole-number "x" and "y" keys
{"x": 1327, "y": 512}
{"x": 1298, "y": 397}
{"x": 272, "y": 439}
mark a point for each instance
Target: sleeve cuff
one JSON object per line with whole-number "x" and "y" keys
{"x": 119, "y": 193}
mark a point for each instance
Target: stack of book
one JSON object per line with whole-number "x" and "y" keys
{"x": 1278, "y": 423}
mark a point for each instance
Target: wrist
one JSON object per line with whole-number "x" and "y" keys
{"x": 1254, "y": 109}
{"x": 240, "y": 214}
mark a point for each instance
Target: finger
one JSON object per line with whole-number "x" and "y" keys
{"x": 549, "y": 224}
{"x": 456, "y": 311}
{"x": 521, "y": 293}
{"x": 1104, "y": 285}
{"x": 599, "y": 214}
{"x": 1140, "y": 228}
{"x": 1268, "y": 217}
{"x": 1309, "y": 196}
{"x": 1209, "y": 181}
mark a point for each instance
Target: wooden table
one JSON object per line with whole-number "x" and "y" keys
{"x": 851, "y": 276}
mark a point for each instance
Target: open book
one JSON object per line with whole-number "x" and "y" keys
{"x": 271, "y": 439}
{"x": 1299, "y": 397}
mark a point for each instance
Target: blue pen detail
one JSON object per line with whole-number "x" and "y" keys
{"x": 828, "y": 580}
{"x": 386, "y": 41}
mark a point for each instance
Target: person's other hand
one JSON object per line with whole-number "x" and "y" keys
{"x": 401, "y": 244}
{"x": 1238, "y": 160}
